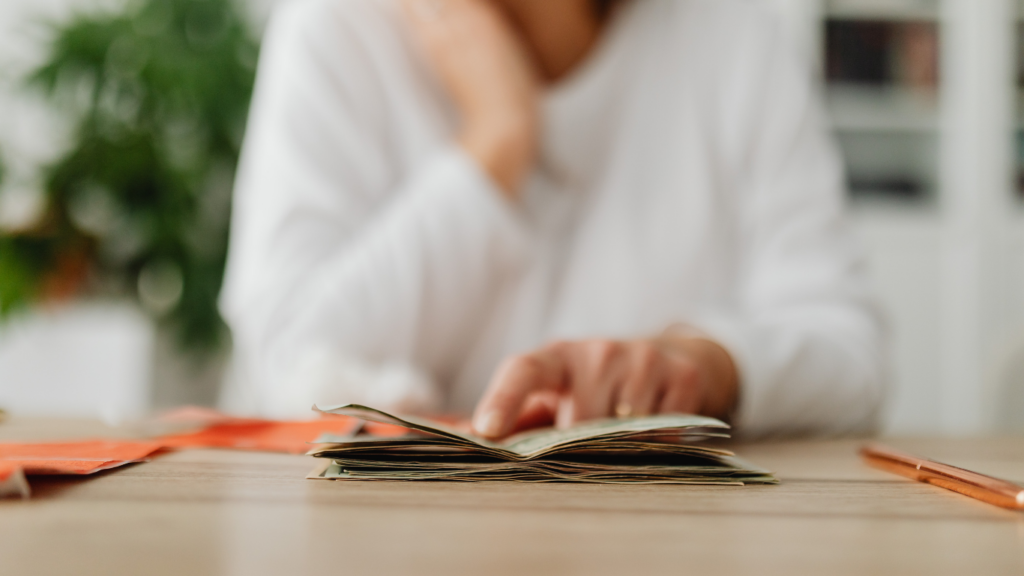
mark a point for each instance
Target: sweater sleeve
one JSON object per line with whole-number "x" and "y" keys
{"x": 350, "y": 277}
{"x": 805, "y": 336}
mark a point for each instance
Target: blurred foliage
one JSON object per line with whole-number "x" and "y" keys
{"x": 139, "y": 203}
{"x": 16, "y": 267}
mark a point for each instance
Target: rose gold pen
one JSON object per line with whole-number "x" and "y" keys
{"x": 979, "y": 486}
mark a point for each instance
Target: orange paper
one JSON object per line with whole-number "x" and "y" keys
{"x": 261, "y": 435}
{"x": 382, "y": 430}
{"x": 7, "y": 470}
{"x": 393, "y": 431}
{"x": 84, "y": 457}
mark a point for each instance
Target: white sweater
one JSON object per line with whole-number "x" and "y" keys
{"x": 686, "y": 176}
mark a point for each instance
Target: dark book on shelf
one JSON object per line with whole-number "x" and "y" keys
{"x": 882, "y": 53}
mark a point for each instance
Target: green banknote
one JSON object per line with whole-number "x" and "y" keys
{"x": 664, "y": 449}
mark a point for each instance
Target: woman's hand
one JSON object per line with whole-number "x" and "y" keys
{"x": 601, "y": 378}
{"x": 490, "y": 76}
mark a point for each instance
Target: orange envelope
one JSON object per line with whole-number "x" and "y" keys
{"x": 392, "y": 431}
{"x": 260, "y": 435}
{"x": 84, "y": 457}
{"x": 382, "y": 430}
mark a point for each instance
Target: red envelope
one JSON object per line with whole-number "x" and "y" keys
{"x": 85, "y": 457}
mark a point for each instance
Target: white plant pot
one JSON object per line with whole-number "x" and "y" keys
{"x": 98, "y": 359}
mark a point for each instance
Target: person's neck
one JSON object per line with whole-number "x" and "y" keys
{"x": 559, "y": 33}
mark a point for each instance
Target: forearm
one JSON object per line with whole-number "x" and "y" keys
{"x": 503, "y": 145}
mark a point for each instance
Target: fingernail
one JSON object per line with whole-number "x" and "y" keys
{"x": 488, "y": 425}
{"x": 623, "y": 410}
{"x": 566, "y": 415}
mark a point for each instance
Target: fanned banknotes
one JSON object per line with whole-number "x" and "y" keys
{"x": 662, "y": 449}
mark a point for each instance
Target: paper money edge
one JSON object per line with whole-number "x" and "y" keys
{"x": 533, "y": 443}
{"x": 419, "y": 424}
{"x": 318, "y": 473}
{"x": 15, "y": 485}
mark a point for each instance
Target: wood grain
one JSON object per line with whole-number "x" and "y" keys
{"x": 217, "y": 512}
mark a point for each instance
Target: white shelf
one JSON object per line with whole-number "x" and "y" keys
{"x": 949, "y": 267}
{"x": 1020, "y": 109}
{"x": 882, "y": 9}
{"x": 866, "y": 109}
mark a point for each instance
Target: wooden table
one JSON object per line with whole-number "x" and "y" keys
{"x": 233, "y": 513}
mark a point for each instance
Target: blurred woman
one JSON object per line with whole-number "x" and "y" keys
{"x": 538, "y": 210}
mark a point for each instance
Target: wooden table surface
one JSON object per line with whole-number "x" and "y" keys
{"x": 233, "y": 513}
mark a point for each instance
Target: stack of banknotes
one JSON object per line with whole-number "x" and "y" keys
{"x": 666, "y": 449}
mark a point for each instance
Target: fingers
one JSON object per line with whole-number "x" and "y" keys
{"x": 538, "y": 411}
{"x": 437, "y": 22}
{"x": 489, "y": 73}
{"x": 593, "y": 379}
{"x": 514, "y": 382}
{"x": 424, "y": 11}
{"x": 597, "y": 370}
{"x": 453, "y": 24}
{"x": 640, "y": 392}
{"x": 682, "y": 392}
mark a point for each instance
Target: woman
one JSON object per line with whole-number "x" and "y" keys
{"x": 536, "y": 209}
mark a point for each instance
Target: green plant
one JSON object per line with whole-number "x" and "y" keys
{"x": 139, "y": 203}
{"x": 15, "y": 272}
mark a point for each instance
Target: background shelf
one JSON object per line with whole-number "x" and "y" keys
{"x": 883, "y": 9}
{"x": 859, "y": 108}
